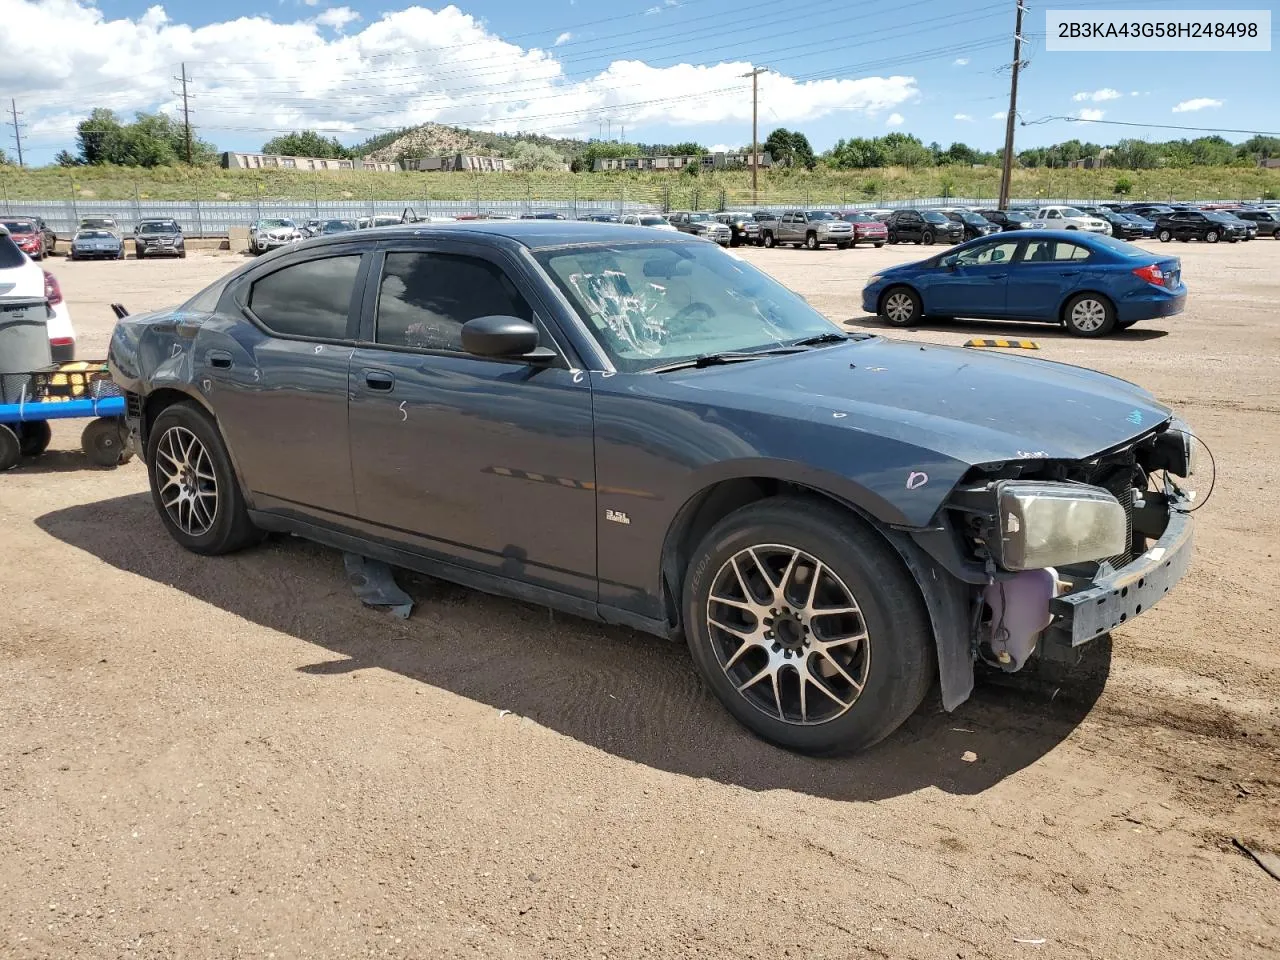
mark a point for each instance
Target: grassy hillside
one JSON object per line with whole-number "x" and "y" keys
{"x": 679, "y": 190}
{"x": 433, "y": 139}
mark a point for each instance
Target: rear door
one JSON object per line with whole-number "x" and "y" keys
{"x": 485, "y": 463}
{"x": 1043, "y": 276}
{"x": 279, "y": 382}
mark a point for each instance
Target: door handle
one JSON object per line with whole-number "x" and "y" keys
{"x": 220, "y": 359}
{"x": 1071, "y": 273}
{"x": 996, "y": 276}
{"x": 379, "y": 380}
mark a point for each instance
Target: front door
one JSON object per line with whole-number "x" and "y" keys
{"x": 280, "y": 386}
{"x": 485, "y": 463}
{"x": 979, "y": 284}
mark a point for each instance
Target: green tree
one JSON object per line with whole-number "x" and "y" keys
{"x": 1123, "y": 186}
{"x": 151, "y": 140}
{"x": 307, "y": 143}
{"x": 532, "y": 156}
{"x": 790, "y": 148}
{"x": 858, "y": 153}
{"x": 688, "y": 149}
{"x": 65, "y": 158}
{"x": 604, "y": 150}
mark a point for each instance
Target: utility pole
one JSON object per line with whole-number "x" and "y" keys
{"x": 16, "y": 123}
{"x": 1006, "y": 172}
{"x": 186, "y": 112}
{"x": 755, "y": 139}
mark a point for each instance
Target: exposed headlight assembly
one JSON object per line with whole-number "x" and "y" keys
{"x": 1056, "y": 524}
{"x": 1175, "y": 450}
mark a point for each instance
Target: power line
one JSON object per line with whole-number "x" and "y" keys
{"x": 186, "y": 113}
{"x": 1152, "y": 126}
{"x": 16, "y": 123}
{"x": 1006, "y": 170}
{"x": 755, "y": 139}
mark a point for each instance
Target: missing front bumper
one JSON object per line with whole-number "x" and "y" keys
{"x": 1113, "y": 599}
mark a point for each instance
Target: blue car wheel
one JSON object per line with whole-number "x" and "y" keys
{"x": 1089, "y": 315}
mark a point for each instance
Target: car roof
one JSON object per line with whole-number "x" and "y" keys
{"x": 533, "y": 234}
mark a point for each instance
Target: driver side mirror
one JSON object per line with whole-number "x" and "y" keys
{"x": 504, "y": 338}
{"x": 950, "y": 262}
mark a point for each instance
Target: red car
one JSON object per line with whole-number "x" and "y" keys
{"x": 26, "y": 233}
{"x": 866, "y": 229}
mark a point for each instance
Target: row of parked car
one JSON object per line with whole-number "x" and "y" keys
{"x": 98, "y": 238}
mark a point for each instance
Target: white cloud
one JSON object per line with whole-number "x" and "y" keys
{"x": 652, "y": 10}
{"x": 337, "y": 17}
{"x": 895, "y": 120}
{"x": 725, "y": 148}
{"x": 1098, "y": 96}
{"x": 1134, "y": 93}
{"x": 964, "y": 116}
{"x": 1088, "y": 113}
{"x": 1000, "y": 115}
{"x": 1199, "y": 103}
{"x": 960, "y": 62}
{"x": 254, "y": 77}
{"x": 563, "y": 38}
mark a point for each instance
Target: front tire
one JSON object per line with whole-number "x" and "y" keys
{"x": 1089, "y": 315}
{"x": 36, "y": 436}
{"x": 811, "y": 241}
{"x": 901, "y": 307}
{"x": 844, "y": 245}
{"x": 927, "y": 238}
{"x": 807, "y": 626}
{"x": 768, "y": 240}
{"x": 878, "y": 245}
{"x": 1211, "y": 236}
{"x": 193, "y": 485}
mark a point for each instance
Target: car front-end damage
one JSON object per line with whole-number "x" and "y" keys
{"x": 1055, "y": 553}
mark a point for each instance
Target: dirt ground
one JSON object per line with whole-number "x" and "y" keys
{"x": 220, "y": 758}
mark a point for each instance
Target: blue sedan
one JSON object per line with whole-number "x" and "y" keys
{"x": 1089, "y": 282}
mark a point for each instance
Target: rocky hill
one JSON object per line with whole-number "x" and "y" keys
{"x": 434, "y": 139}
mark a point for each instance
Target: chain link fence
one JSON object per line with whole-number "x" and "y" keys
{"x": 215, "y": 216}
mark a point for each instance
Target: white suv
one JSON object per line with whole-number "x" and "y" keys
{"x": 23, "y": 279}
{"x": 1069, "y": 218}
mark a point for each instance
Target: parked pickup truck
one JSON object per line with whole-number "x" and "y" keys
{"x": 812, "y": 228}
{"x": 703, "y": 225}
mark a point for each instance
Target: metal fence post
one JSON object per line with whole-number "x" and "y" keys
{"x": 5, "y": 187}
{"x": 199, "y": 215}
{"x": 137, "y": 203}
{"x": 476, "y": 211}
{"x": 75, "y": 214}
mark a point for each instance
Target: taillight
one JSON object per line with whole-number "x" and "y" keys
{"x": 62, "y": 341}
{"x": 52, "y": 292}
{"x": 1151, "y": 273}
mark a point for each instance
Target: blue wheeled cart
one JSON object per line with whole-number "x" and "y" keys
{"x": 67, "y": 391}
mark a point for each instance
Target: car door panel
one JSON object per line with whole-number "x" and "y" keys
{"x": 976, "y": 289}
{"x": 282, "y": 400}
{"x": 1039, "y": 283}
{"x": 484, "y": 463}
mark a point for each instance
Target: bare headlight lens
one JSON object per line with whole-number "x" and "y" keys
{"x": 1057, "y": 524}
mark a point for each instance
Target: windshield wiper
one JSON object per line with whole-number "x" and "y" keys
{"x": 716, "y": 359}
{"x": 820, "y": 340}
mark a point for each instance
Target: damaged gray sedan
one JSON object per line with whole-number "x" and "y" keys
{"x": 642, "y": 429}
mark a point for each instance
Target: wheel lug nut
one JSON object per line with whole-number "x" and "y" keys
{"x": 776, "y": 647}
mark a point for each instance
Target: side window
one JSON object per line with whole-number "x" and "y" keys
{"x": 425, "y": 298}
{"x": 1040, "y": 251}
{"x": 991, "y": 254}
{"x": 1054, "y": 215}
{"x": 1071, "y": 251}
{"x": 309, "y": 299}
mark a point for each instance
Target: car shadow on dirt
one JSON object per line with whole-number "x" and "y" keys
{"x": 1003, "y": 329}
{"x": 629, "y": 694}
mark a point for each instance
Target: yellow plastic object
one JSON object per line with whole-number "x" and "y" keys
{"x": 1006, "y": 344}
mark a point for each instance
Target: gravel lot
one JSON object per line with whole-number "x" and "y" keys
{"x": 217, "y": 758}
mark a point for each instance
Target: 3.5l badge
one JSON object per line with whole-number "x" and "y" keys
{"x": 617, "y": 516}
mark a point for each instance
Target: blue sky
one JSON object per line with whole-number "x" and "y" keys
{"x": 666, "y": 70}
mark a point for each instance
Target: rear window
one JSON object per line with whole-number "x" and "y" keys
{"x": 10, "y": 255}
{"x": 95, "y": 235}
{"x": 933, "y": 217}
{"x": 18, "y": 226}
{"x": 1122, "y": 247}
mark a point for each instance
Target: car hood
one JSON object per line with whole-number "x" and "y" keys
{"x": 961, "y": 403}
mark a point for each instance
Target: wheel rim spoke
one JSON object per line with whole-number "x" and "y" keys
{"x": 186, "y": 485}
{"x": 809, "y": 632}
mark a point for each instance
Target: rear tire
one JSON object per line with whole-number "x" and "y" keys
{"x": 1165, "y": 236}
{"x": 190, "y": 471}
{"x": 104, "y": 441}
{"x": 901, "y": 307}
{"x": 826, "y": 683}
{"x": 1089, "y": 315}
{"x": 10, "y": 448}
{"x": 878, "y": 245}
{"x": 36, "y": 435}
{"x": 768, "y": 241}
